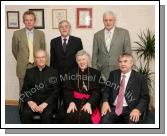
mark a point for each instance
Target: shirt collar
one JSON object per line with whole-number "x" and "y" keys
{"x": 127, "y": 74}
{"x": 29, "y": 31}
{"x": 111, "y": 31}
{"x": 65, "y": 38}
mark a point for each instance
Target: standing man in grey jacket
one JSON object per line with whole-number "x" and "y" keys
{"x": 24, "y": 44}
{"x": 108, "y": 44}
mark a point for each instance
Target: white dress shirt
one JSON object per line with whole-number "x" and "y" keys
{"x": 108, "y": 37}
{"x": 30, "y": 34}
{"x": 62, "y": 39}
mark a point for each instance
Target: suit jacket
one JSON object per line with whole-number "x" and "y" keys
{"x": 106, "y": 61}
{"x": 20, "y": 48}
{"x": 75, "y": 83}
{"x": 40, "y": 86}
{"x": 64, "y": 61}
{"x": 136, "y": 92}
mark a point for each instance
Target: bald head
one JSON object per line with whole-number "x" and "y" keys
{"x": 40, "y": 58}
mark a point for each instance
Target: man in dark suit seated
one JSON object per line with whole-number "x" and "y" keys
{"x": 40, "y": 90}
{"x": 126, "y": 96}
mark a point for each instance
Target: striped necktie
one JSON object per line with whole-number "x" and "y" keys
{"x": 119, "y": 105}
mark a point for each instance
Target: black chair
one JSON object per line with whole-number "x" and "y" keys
{"x": 145, "y": 113}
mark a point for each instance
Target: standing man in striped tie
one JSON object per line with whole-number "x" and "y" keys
{"x": 125, "y": 97}
{"x": 24, "y": 44}
{"x": 62, "y": 51}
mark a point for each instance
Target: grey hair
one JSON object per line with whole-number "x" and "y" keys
{"x": 109, "y": 12}
{"x": 64, "y": 21}
{"x": 126, "y": 54}
{"x": 82, "y": 53}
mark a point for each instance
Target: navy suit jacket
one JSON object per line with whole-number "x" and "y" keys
{"x": 64, "y": 61}
{"x": 136, "y": 93}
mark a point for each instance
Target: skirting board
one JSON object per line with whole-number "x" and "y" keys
{"x": 11, "y": 102}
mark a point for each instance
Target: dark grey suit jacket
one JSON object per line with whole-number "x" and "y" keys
{"x": 136, "y": 93}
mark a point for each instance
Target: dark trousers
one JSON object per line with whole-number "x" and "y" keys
{"x": 113, "y": 118}
{"x": 78, "y": 117}
{"x": 27, "y": 115}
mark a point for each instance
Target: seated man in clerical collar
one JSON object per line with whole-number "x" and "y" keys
{"x": 40, "y": 90}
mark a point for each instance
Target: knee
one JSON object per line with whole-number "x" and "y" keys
{"x": 47, "y": 114}
{"x": 85, "y": 117}
{"x": 71, "y": 115}
{"x": 27, "y": 113}
{"x": 71, "y": 118}
{"x": 85, "y": 114}
{"x": 105, "y": 119}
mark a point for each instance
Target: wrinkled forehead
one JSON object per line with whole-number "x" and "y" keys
{"x": 40, "y": 53}
{"x": 64, "y": 24}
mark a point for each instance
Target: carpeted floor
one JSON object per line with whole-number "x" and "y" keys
{"x": 12, "y": 116}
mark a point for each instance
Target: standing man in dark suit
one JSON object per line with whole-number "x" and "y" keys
{"x": 40, "y": 90}
{"x": 108, "y": 44}
{"x": 24, "y": 44}
{"x": 64, "y": 48}
{"x": 125, "y": 97}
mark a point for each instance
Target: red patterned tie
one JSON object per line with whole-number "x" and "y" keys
{"x": 119, "y": 105}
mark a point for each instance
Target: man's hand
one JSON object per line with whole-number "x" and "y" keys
{"x": 87, "y": 108}
{"x": 33, "y": 106}
{"x": 105, "y": 108}
{"x": 72, "y": 107}
{"x": 42, "y": 106}
{"x": 135, "y": 115}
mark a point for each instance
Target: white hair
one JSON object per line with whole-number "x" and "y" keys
{"x": 83, "y": 53}
{"x": 64, "y": 21}
{"x": 110, "y": 13}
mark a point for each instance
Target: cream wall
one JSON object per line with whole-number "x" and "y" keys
{"x": 133, "y": 18}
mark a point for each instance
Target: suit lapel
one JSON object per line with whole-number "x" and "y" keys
{"x": 35, "y": 38}
{"x": 131, "y": 79}
{"x": 60, "y": 46}
{"x": 68, "y": 44}
{"x": 24, "y": 36}
{"x": 115, "y": 35}
{"x": 117, "y": 81}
